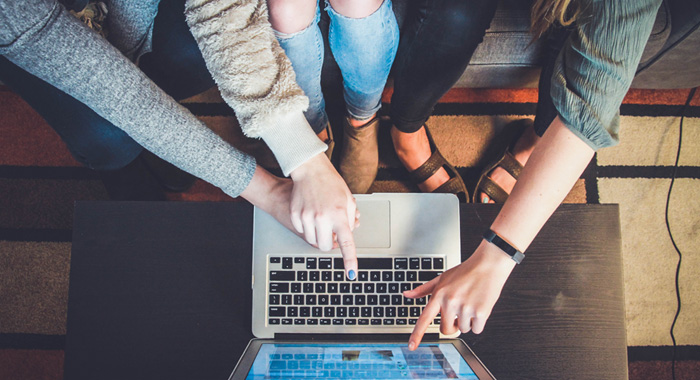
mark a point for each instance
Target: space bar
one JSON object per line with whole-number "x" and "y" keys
{"x": 367, "y": 263}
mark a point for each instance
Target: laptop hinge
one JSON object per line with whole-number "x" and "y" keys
{"x": 351, "y": 337}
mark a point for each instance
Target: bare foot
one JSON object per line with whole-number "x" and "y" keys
{"x": 413, "y": 150}
{"x": 521, "y": 151}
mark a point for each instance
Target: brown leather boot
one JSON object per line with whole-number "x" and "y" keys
{"x": 359, "y": 157}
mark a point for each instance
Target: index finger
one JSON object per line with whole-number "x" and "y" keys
{"x": 346, "y": 242}
{"x": 429, "y": 313}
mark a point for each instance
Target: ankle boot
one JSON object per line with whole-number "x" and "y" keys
{"x": 359, "y": 158}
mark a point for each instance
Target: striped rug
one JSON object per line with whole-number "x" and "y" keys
{"x": 39, "y": 181}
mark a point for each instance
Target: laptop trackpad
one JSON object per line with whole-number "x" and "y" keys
{"x": 375, "y": 224}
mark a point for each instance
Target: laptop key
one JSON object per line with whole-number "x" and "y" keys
{"x": 296, "y": 287}
{"x": 363, "y": 275}
{"x": 332, "y": 288}
{"x": 323, "y": 299}
{"x": 326, "y": 276}
{"x": 305, "y": 311}
{"x": 299, "y": 321}
{"x": 363, "y": 322}
{"x": 408, "y": 301}
{"x": 341, "y": 312}
{"x": 311, "y": 299}
{"x": 347, "y": 299}
{"x": 298, "y": 260}
{"x": 415, "y": 311}
{"x": 287, "y": 321}
{"x": 286, "y": 263}
{"x": 388, "y": 322}
{"x": 286, "y": 299}
{"x": 275, "y": 311}
{"x": 317, "y": 311}
{"x": 421, "y": 301}
{"x": 438, "y": 263}
{"x": 279, "y": 287}
{"x": 366, "y": 312}
{"x": 325, "y": 321}
{"x": 425, "y": 276}
{"x": 378, "y": 312}
{"x": 325, "y": 263}
{"x": 274, "y": 299}
{"x": 414, "y": 263}
{"x": 329, "y": 312}
{"x": 337, "y": 321}
{"x": 360, "y": 299}
{"x": 372, "y": 299}
{"x": 394, "y": 287}
{"x": 335, "y": 300}
{"x": 298, "y": 299}
{"x": 400, "y": 276}
{"x": 292, "y": 311}
{"x": 275, "y": 260}
{"x": 302, "y": 275}
{"x": 381, "y": 287}
{"x": 356, "y": 287}
{"x": 310, "y": 263}
{"x": 396, "y": 299}
{"x": 402, "y": 311}
{"x": 384, "y": 300}
{"x": 401, "y": 263}
{"x": 314, "y": 275}
{"x": 312, "y": 321}
{"x": 350, "y": 322}
{"x": 387, "y": 276}
{"x": 412, "y": 321}
{"x": 426, "y": 263}
{"x": 375, "y": 276}
{"x": 281, "y": 275}
{"x": 273, "y": 321}
{"x": 376, "y": 321}
{"x": 308, "y": 287}
{"x": 354, "y": 311}
{"x": 344, "y": 287}
{"x": 338, "y": 276}
{"x": 320, "y": 287}
{"x": 401, "y": 322}
{"x": 412, "y": 276}
{"x": 436, "y": 321}
{"x": 369, "y": 288}
{"x": 405, "y": 286}
{"x": 390, "y": 311}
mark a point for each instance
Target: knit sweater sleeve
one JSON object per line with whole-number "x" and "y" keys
{"x": 42, "y": 38}
{"x": 594, "y": 70}
{"x": 254, "y": 76}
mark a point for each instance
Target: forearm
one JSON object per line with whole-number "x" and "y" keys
{"x": 556, "y": 163}
{"x": 65, "y": 53}
{"x": 254, "y": 76}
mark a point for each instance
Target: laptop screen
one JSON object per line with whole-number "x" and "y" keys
{"x": 359, "y": 361}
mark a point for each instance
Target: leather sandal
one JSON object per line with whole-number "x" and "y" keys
{"x": 359, "y": 157}
{"x": 454, "y": 185}
{"x": 508, "y": 162}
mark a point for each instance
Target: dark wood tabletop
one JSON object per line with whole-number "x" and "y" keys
{"x": 161, "y": 290}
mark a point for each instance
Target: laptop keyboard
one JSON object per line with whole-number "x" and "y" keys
{"x": 306, "y": 290}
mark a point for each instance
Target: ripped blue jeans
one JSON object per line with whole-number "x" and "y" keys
{"x": 364, "y": 49}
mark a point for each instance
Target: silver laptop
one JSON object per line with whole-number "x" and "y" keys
{"x": 355, "y": 329}
{"x": 403, "y": 241}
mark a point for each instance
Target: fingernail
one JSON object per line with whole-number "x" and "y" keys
{"x": 484, "y": 200}
{"x": 411, "y": 346}
{"x": 351, "y": 274}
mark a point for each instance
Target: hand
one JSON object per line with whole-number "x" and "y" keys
{"x": 324, "y": 210}
{"x": 464, "y": 295}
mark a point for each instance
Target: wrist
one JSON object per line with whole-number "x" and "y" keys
{"x": 505, "y": 246}
{"x": 261, "y": 190}
{"x": 494, "y": 258}
{"x": 309, "y": 168}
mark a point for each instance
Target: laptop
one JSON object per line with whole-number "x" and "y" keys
{"x": 311, "y": 321}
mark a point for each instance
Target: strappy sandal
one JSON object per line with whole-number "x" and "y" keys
{"x": 508, "y": 162}
{"x": 454, "y": 185}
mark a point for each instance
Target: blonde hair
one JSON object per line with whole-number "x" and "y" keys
{"x": 545, "y": 13}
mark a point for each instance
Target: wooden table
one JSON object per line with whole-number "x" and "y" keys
{"x": 162, "y": 291}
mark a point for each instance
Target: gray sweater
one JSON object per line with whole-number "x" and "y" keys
{"x": 255, "y": 78}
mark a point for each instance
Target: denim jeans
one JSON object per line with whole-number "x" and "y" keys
{"x": 364, "y": 49}
{"x": 437, "y": 41}
{"x": 175, "y": 64}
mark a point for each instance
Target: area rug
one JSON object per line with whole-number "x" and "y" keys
{"x": 40, "y": 181}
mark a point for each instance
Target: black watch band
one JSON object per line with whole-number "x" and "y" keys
{"x": 511, "y": 251}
